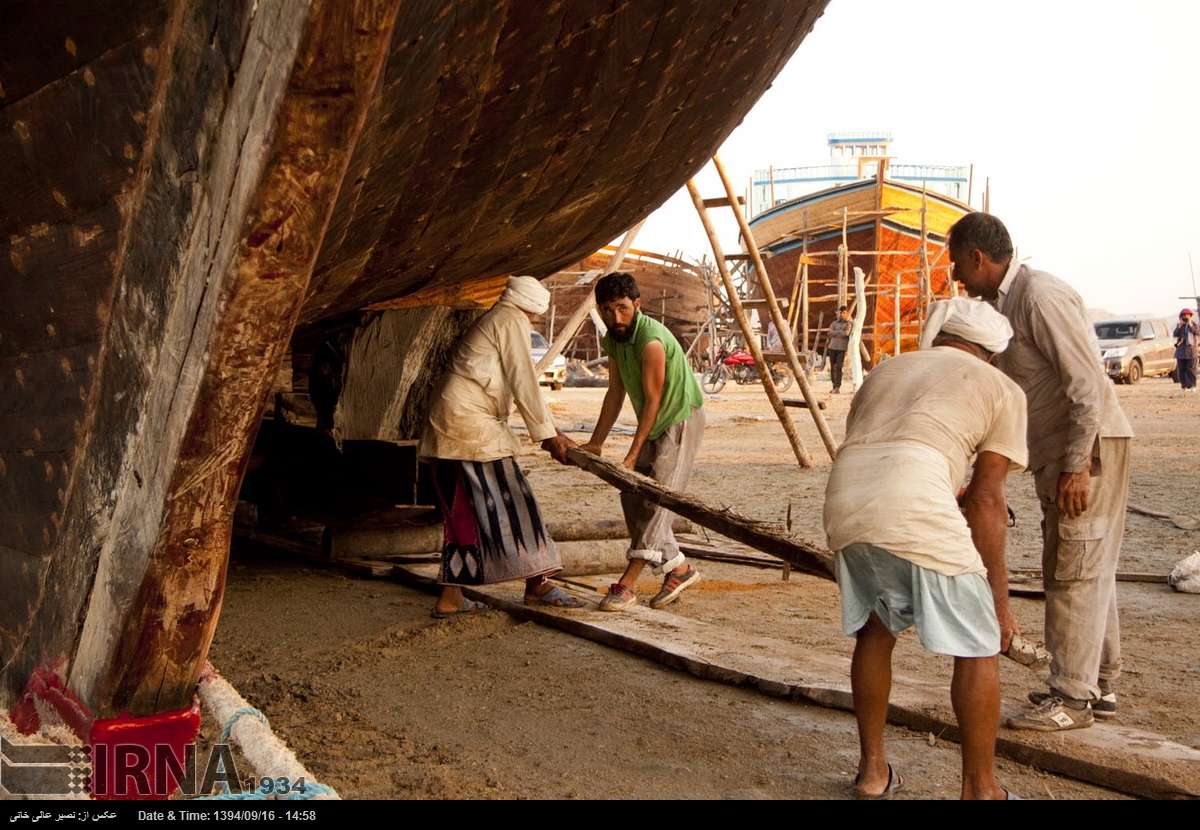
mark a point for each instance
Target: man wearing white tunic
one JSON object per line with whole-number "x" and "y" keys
{"x": 493, "y": 528}
{"x": 906, "y": 555}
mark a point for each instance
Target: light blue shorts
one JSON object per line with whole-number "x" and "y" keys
{"x": 954, "y": 615}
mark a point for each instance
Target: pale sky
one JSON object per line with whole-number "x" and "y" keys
{"x": 1085, "y": 116}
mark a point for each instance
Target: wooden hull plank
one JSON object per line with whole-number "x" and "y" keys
{"x": 55, "y": 174}
{"x": 323, "y": 89}
{"x": 485, "y": 198}
{"x": 73, "y": 34}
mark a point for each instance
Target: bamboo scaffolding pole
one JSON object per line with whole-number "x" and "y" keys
{"x": 926, "y": 281}
{"x": 800, "y": 555}
{"x": 789, "y": 345}
{"x": 793, "y": 315}
{"x": 735, "y": 303}
{"x": 804, "y": 311}
{"x": 589, "y": 302}
{"x": 843, "y": 263}
{"x": 896, "y": 317}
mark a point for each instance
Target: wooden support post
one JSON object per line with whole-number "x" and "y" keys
{"x": 816, "y": 349}
{"x": 589, "y": 302}
{"x": 800, "y": 555}
{"x": 855, "y": 347}
{"x": 843, "y": 264}
{"x": 926, "y": 291}
{"x": 789, "y": 345}
{"x": 805, "y": 293}
{"x": 739, "y": 314}
{"x": 896, "y": 318}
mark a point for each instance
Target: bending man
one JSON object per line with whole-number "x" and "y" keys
{"x": 905, "y": 553}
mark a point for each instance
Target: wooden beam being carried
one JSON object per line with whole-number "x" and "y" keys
{"x": 800, "y": 555}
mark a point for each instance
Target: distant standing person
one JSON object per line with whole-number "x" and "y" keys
{"x": 773, "y": 339}
{"x": 1187, "y": 348}
{"x": 1079, "y": 456}
{"x": 839, "y": 340}
{"x": 493, "y": 528}
{"x": 646, "y": 362}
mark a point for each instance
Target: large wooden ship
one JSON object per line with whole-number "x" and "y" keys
{"x": 674, "y": 292}
{"x": 889, "y": 220}
{"x": 192, "y": 190}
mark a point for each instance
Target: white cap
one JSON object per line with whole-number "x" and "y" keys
{"x": 972, "y": 320}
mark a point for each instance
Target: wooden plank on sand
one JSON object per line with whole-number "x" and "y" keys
{"x": 1110, "y": 756}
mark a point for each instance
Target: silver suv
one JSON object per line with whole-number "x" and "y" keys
{"x": 1135, "y": 347}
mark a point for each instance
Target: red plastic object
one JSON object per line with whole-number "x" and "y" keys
{"x": 45, "y": 693}
{"x": 142, "y": 758}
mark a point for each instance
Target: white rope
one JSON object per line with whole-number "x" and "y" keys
{"x": 269, "y": 756}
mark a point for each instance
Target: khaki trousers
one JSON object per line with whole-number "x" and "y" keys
{"x": 1079, "y": 568}
{"x": 668, "y": 460}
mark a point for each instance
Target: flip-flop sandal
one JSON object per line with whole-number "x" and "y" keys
{"x": 556, "y": 598}
{"x": 467, "y": 607}
{"x": 894, "y": 785}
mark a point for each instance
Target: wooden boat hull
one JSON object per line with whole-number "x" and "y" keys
{"x": 184, "y": 183}
{"x": 883, "y": 233}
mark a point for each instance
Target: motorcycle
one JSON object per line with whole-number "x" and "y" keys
{"x": 739, "y": 365}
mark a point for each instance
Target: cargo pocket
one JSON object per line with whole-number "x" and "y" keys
{"x": 1078, "y": 541}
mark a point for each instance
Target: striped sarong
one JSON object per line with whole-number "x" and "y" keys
{"x": 493, "y": 528}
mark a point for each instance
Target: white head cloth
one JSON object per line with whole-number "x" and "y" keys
{"x": 971, "y": 320}
{"x": 527, "y": 294}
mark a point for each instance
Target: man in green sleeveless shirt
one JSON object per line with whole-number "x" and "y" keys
{"x": 646, "y": 361}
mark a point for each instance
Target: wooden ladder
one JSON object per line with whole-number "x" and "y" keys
{"x": 732, "y": 201}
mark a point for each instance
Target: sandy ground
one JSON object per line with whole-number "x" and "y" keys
{"x": 380, "y": 701}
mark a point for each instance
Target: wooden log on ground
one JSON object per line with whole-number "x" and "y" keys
{"x": 358, "y": 542}
{"x": 801, "y": 555}
{"x": 1121, "y": 576}
{"x": 800, "y": 404}
{"x": 582, "y": 530}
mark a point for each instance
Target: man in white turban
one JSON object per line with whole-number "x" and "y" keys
{"x": 493, "y": 528}
{"x": 907, "y": 555}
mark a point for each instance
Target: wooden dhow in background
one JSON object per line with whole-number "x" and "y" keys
{"x": 895, "y": 232}
{"x": 674, "y": 292}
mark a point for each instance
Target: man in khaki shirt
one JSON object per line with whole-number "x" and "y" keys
{"x": 1079, "y": 455}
